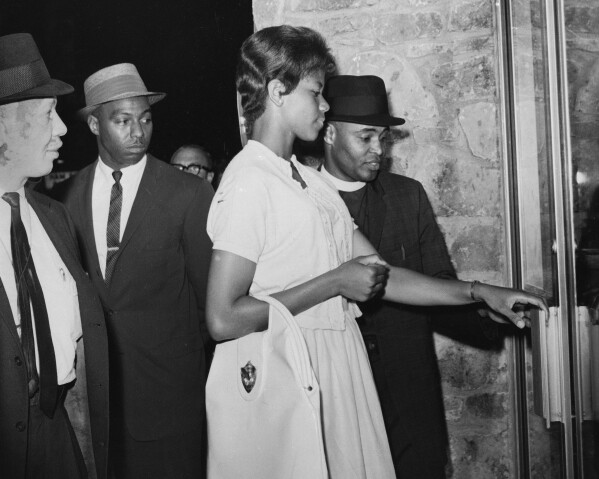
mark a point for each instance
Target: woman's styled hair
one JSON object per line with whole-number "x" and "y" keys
{"x": 284, "y": 53}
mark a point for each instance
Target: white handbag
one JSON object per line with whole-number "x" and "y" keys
{"x": 263, "y": 405}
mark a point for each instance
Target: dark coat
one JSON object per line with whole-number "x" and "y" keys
{"x": 402, "y": 227}
{"x": 14, "y": 400}
{"x": 156, "y": 299}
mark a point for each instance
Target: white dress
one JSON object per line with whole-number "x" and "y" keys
{"x": 293, "y": 235}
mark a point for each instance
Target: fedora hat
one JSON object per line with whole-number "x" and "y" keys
{"x": 359, "y": 99}
{"x": 23, "y": 73}
{"x": 115, "y": 82}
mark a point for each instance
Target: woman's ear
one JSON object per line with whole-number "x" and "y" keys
{"x": 276, "y": 91}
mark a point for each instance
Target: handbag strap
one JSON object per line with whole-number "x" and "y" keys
{"x": 300, "y": 351}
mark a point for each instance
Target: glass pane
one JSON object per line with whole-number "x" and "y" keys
{"x": 535, "y": 200}
{"x": 583, "y": 85}
{"x": 533, "y": 145}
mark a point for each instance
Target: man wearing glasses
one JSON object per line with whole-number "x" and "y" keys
{"x": 195, "y": 160}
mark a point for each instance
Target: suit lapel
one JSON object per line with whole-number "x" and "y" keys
{"x": 66, "y": 254}
{"x": 145, "y": 200}
{"x": 7, "y": 315}
{"x": 86, "y": 218}
{"x": 376, "y": 212}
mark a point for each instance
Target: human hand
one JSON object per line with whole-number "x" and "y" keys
{"x": 362, "y": 278}
{"x": 522, "y": 311}
{"x": 508, "y": 305}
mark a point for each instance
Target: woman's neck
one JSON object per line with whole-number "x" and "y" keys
{"x": 271, "y": 135}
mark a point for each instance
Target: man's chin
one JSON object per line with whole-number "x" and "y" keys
{"x": 134, "y": 154}
{"x": 47, "y": 167}
{"x": 370, "y": 176}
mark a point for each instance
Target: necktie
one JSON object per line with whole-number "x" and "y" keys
{"x": 113, "y": 228}
{"x": 29, "y": 292}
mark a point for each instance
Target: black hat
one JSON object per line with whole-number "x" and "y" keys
{"x": 23, "y": 73}
{"x": 359, "y": 99}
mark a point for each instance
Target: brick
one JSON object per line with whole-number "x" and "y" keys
{"x": 343, "y": 24}
{"x": 477, "y": 249}
{"x": 465, "y": 80}
{"x": 479, "y": 122}
{"x": 327, "y": 5}
{"x": 487, "y": 405}
{"x": 482, "y": 456}
{"x": 467, "y": 369}
{"x": 582, "y": 19}
{"x": 395, "y": 28}
{"x": 472, "y": 15}
{"x": 408, "y": 98}
{"x": 454, "y": 408}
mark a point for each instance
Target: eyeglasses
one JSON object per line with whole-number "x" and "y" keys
{"x": 193, "y": 168}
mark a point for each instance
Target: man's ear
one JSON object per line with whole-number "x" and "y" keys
{"x": 329, "y": 133}
{"x": 92, "y": 122}
{"x": 276, "y": 91}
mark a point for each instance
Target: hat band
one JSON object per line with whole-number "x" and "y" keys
{"x": 359, "y": 105}
{"x": 23, "y": 77}
{"x": 112, "y": 88}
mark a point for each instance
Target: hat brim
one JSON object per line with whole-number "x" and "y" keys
{"x": 153, "y": 97}
{"x": 51, "y": 89}
{"x": 371, "y": 120}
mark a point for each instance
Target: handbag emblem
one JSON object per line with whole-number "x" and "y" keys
{"x": 248, "y": 376}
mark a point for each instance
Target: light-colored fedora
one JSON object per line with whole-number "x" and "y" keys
{"x": 115, "y": 82}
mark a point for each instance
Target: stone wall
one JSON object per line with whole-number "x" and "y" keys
{"x": 438, "y": 60}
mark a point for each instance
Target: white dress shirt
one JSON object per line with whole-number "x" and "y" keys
{"x": 101, "y": 190}
{"x": 58, "y": 286}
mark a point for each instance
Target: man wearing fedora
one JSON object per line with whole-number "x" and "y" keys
{"x": 46, "y": 301}
{"x": 394, "y": 212}
{"x": 141, "y": 225}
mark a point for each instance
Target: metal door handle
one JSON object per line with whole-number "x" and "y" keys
{"x": 594, "y": 311}
{"x": 587, "y": 340}
{"x": 545, "y": 365}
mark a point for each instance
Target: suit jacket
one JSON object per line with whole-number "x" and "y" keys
{"x": 401, "y": 224}
{"x": 14, "y": 399}
{"x": 155, "y": 302}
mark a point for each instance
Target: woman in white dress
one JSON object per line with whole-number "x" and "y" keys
{"x": 279, "y": 229}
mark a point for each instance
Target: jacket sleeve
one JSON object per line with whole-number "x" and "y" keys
{"x": 197, "y": 245}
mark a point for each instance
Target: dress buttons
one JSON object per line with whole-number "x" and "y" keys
{"x": 20, "y": 426}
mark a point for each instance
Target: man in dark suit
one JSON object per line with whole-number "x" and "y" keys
{"x": 141, "y": 225}
{"x": 46, "y": 300}
{"x": 394, "y": 212}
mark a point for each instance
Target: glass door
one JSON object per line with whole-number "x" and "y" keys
{"x": 554, "y": 205}
{"x": 583, "y": 168}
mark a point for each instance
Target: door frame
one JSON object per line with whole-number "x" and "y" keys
{"x": 564, "y": 245}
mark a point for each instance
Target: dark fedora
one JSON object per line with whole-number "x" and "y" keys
{"x": 359, "y": 99}
{"x": 23, "y": 73}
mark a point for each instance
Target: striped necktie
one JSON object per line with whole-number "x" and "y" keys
{"x": 113, "y": 228}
